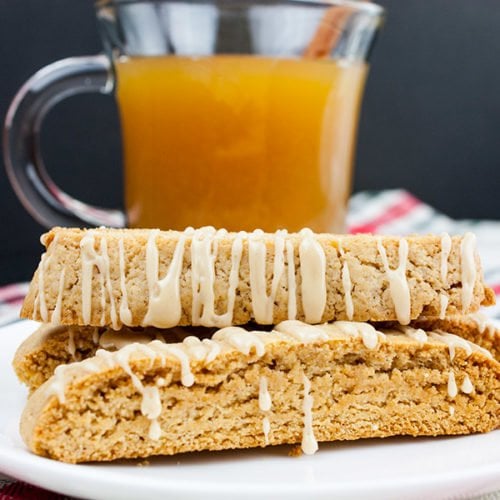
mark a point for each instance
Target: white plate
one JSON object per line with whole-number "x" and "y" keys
{"x": 390, "y": 468}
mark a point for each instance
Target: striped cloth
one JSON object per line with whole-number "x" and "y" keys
{"x": 383, "y": 212}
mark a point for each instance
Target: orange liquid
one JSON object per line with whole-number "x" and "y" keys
{"x": 238, "y": 142}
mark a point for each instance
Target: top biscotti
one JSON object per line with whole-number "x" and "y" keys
{"x": 137, "y": 277}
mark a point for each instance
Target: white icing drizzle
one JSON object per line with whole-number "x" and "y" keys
{"x": 467, "y": 387}
{"x": 90, "y": 259}
{"x": 265, "y": 404}
{"x": 451, "y": 409}
{"x": 58, "y": 384}
{"x": 71, "y": 342}
{"x": 452, "y": 341}
{"x": 313, "y": 276}
{"x": 264, "y": 396}
{"x": 242, "y": 340}
{"x": 346, "y": 284}
{"x": 125, "y": 313}
{"x": 482, "y": 322}
{"x": 445, "y": 253}
{"x": 151, "y": 409}
{"x": 476, "y": 348}
{"x": 56, "y": 313}
{"x": 309, "y": 444}
{"x": 112, "y": 339}
{"x": 292, "y": 284}
{"x": 204, "y": 247}
{"x": 154, "y": 430}
{"x": 467, "y": 252}
{"x": 164, "y": 303}
{"x": 40, "y": 301}
{"x": 368, "y": 333}
{"x": 443, "y": 305}
{"x": 213, "y": 349}
{"x": 414, "y": 333}
{"x": 262, "y": 303}
{"x": 195, "y": 348}
{"x": 452, "y": 385}
{"x": 177, "y": 351}
{"x": 398, "y": 283}
{"x": 302, "y": 332}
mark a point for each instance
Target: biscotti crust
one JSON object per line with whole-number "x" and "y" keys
{"x": 370, "y": 290}
{"x": 400, "y": 388}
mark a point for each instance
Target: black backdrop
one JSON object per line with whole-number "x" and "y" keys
{"x": 430, "y": 121}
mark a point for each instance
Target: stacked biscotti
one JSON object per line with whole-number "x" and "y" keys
{"x": 160, "y": 342}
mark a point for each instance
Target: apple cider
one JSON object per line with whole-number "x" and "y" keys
{"x": 239, "y": 142}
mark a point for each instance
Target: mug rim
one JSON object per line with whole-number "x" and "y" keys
{"x": 362, "y": 6}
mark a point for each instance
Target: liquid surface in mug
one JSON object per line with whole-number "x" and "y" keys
{"x": 238, "y": 141}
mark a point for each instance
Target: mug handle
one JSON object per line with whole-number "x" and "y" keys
{"x": 43, "y": 199}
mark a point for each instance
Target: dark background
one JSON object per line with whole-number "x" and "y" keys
{"x": 430, "y": 121}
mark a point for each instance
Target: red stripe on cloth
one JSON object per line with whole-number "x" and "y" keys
{"x": 496, "y": 289}
{"x": 12, "y": 292}
{"x": 23, "y": 491}
{"x": 16, "y": 301}
{"x": 403, "y": 206}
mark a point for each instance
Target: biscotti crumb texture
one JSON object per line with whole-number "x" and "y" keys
{"x": 145, "y": 400}
{"x": 50, "y": 346}
{"x": 213, "y": 278}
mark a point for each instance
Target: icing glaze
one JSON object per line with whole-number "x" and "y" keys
{"x": 467, "y": 387}
{"x": 398, "y": 284}
{"x": 443, "y": 305}
{"x": 264, "y": 396}
{"x": 452, "y": 385}
{"x": 262, "y": 303}
{"x": 56, "y": 313}
{"x": 414, "y": 333}
{"x": 482, "y": 322}
{"x": 164, "y": 301}
{"x": 313, "y": 276}
{"x": 242, "y": 340}
{"x": 265, "y": 404}
{"x": 292, "y": 284}
{"x": 452, "y": 341}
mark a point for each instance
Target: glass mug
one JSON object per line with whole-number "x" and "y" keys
{"x": 234, "y": 113}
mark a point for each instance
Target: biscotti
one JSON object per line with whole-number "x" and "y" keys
{"x": 296, "y": 384}
{"x": 50, "y": 346}
{"x": 105, "y": 277}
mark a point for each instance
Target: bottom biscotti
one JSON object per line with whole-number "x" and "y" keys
{"x": 299, "y": 384}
